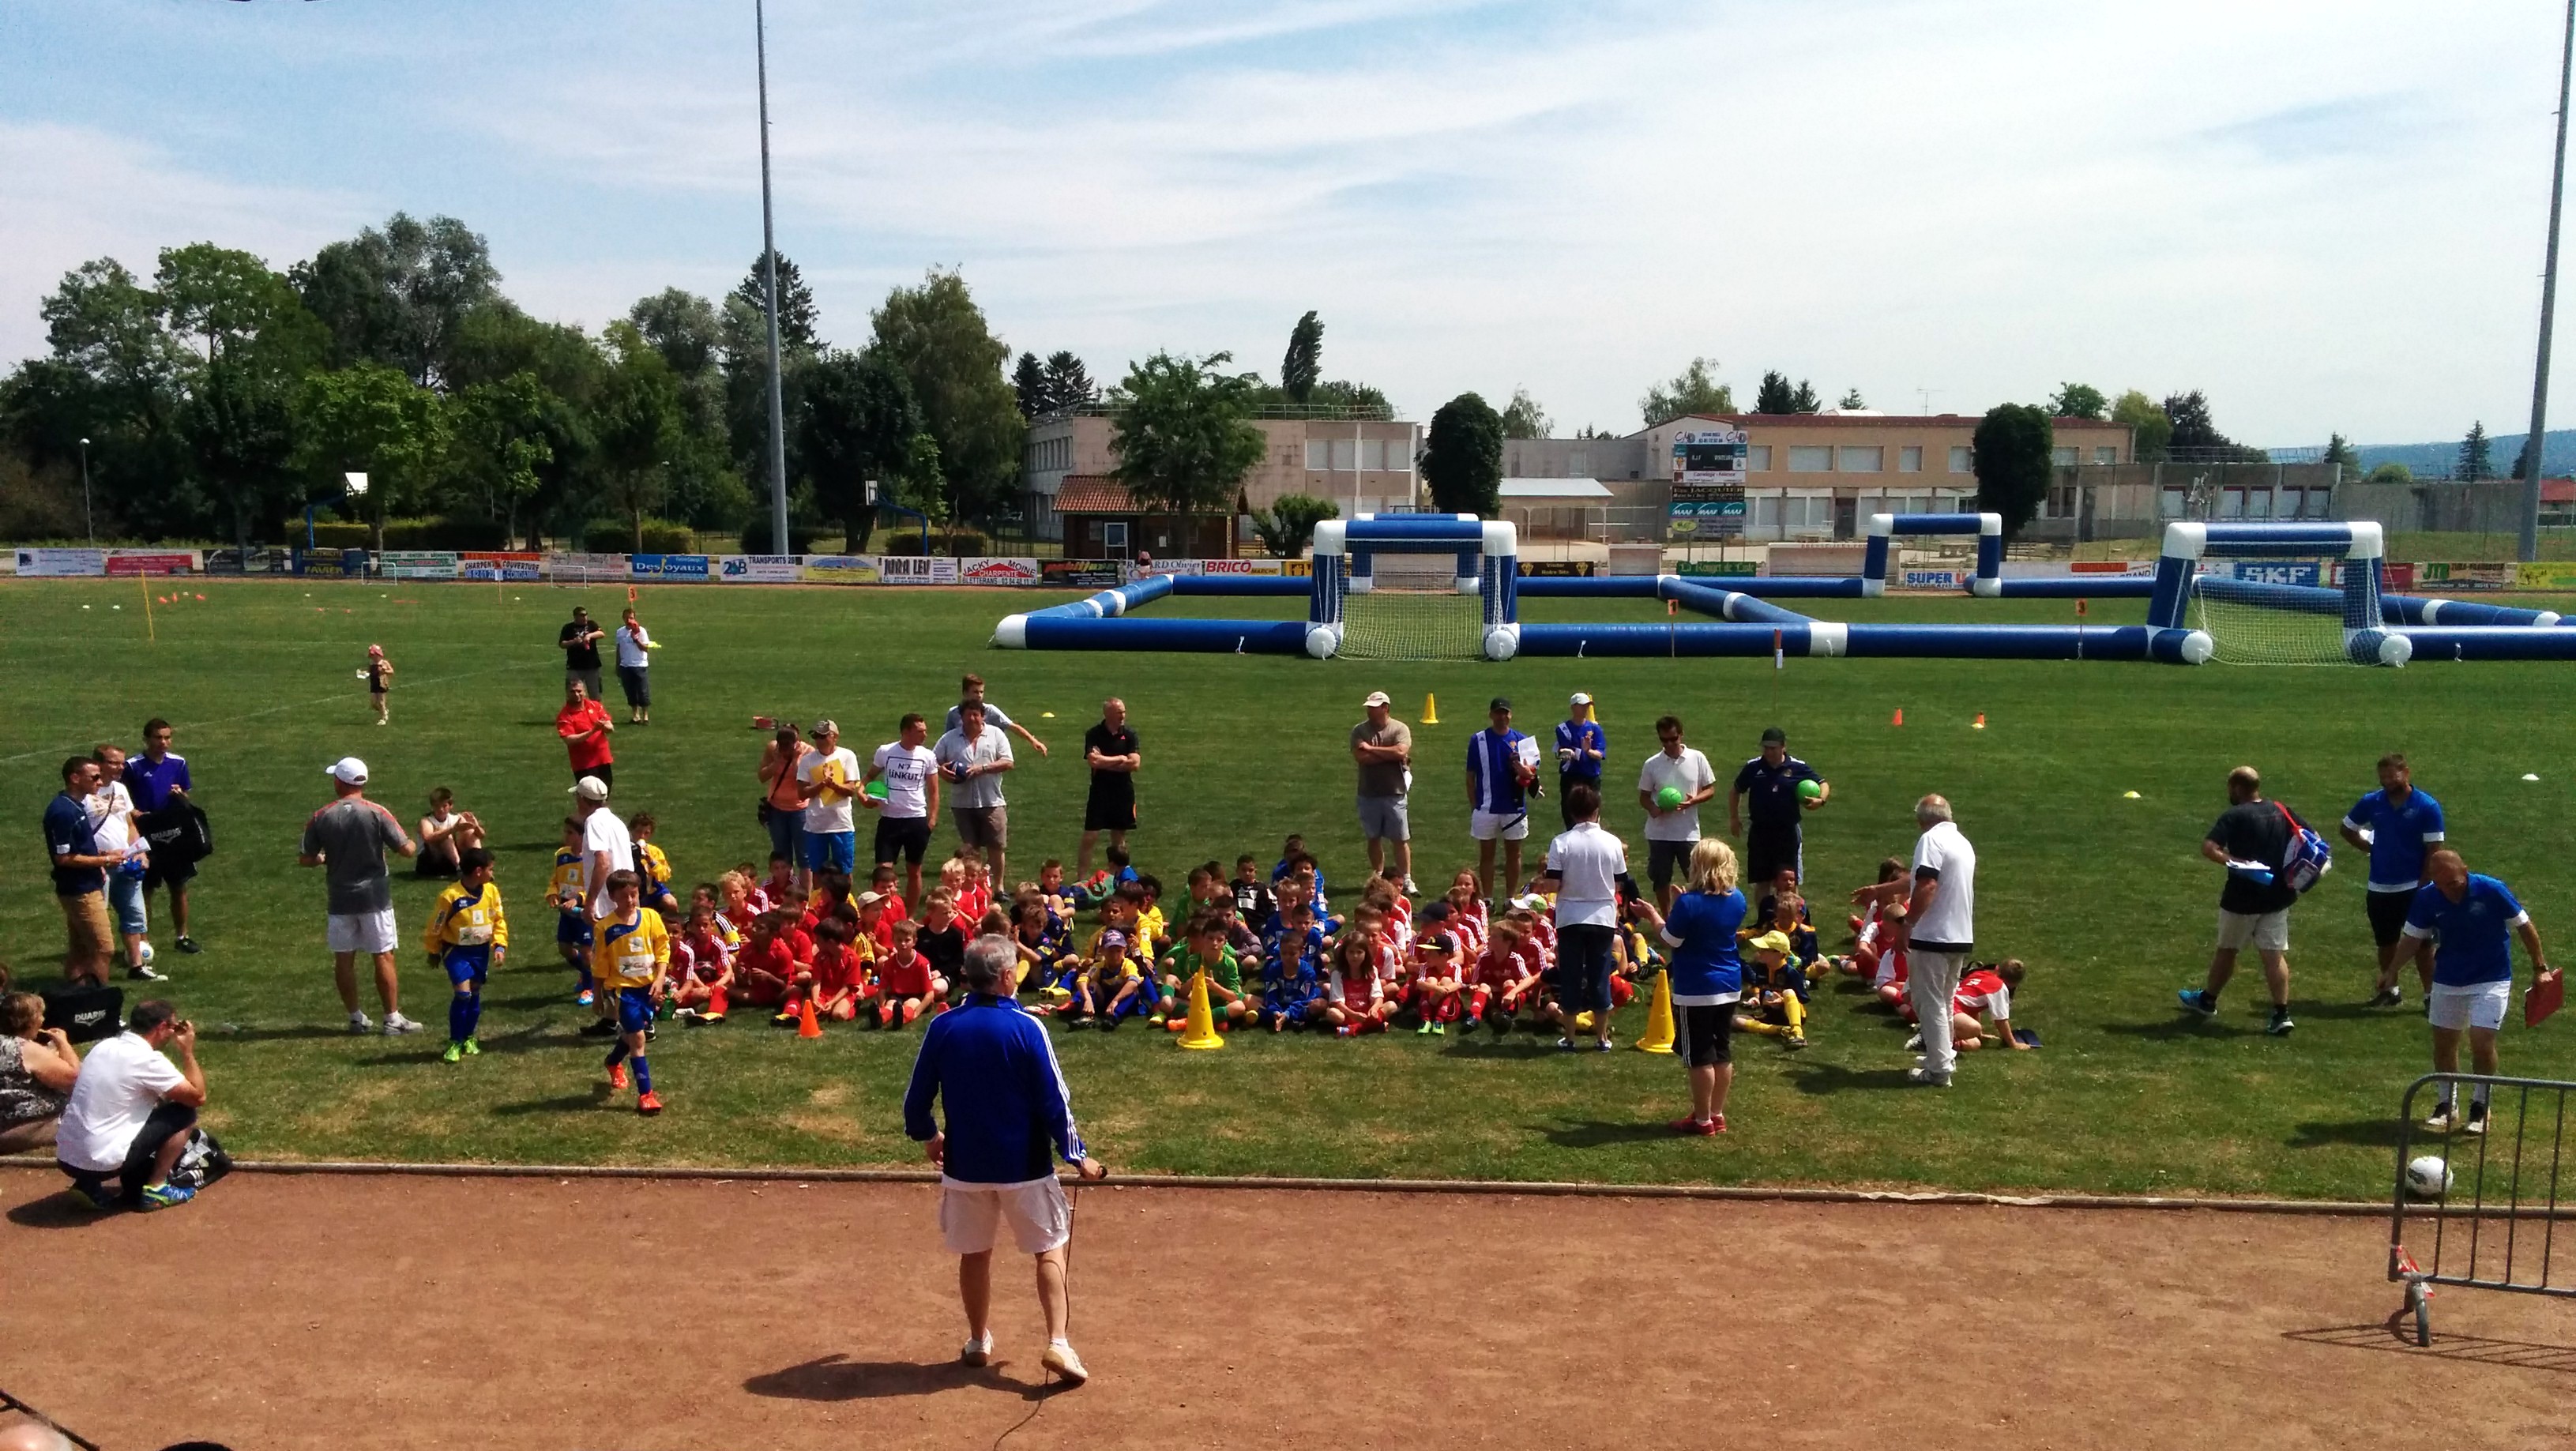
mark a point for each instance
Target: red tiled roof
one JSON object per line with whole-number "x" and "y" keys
{"x": 2558, "y": 491}
{"x": 1093, "y": 494}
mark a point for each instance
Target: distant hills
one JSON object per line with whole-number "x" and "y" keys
{"x": 2557, "y": 454}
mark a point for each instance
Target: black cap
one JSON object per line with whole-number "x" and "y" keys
{"x": 1775, "y": 737}
{"x": 1501, "y": 702}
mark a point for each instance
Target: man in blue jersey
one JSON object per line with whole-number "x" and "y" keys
{"x": 2470, "y": 916}
{"x": 1581, "y": 751}
{"x": 2399, "y": 826}
{"x": 1502, "y": 774}
{"x": 1770, "y": 785}
{"x": 1009, "y": 1113}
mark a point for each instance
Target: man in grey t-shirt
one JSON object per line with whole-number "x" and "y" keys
{"x": 1383, "y": 748}
{"x": 349, "y": 839}
{"x": 973, "y": 758}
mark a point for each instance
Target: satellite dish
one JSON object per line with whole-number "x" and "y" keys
{"x": 357, "y": 482}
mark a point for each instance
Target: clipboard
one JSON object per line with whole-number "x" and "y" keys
{"x": 2548, "y": 991}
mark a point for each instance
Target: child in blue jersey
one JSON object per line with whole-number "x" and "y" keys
{"x": 572, "y": 915}
{"x": 2472, "y": 918}
{"x": 468, "y": 936}
{"x": 1291, "y": 985}
{"x": 2399, "y": 826}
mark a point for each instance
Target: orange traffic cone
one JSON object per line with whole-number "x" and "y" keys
{"x": 806, "y": 1027}
{"x": 1980, "y": 722}
{"x": 1900, "y": 717}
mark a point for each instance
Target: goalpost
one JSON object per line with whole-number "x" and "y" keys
{"x": 1414, "y": 587}
{"x": 2277, "y": 594}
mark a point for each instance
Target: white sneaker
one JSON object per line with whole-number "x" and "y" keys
{"x": 2475, "y": 1123}
{"x": 1409, "y": 888}
{"x": 2441, "y": 1121}
{"x": 1914, "y": 1044}
{"x": 359, "y": 1023}
{"x": 1926, "y": 1078}
{"x": 396, "y": 1025}
{"x": 1060, "y": 1358}
{"x": 978, "y": 1352}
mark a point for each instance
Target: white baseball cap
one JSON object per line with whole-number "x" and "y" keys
{"x": 1376, "y": 697}
{"x": 348, "y": 771}
{"x": 1578, "y": 698}
{"x": 591, "y": 788}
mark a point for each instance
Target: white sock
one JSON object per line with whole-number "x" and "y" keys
{"x": 1060, "y": 1343}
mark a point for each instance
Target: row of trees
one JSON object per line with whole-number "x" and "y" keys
{"x": 219, "y": 397}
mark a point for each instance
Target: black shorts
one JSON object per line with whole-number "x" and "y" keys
{"x": 1111, "y": 805}
{"x": 903, "y": 838}
{"x": 176, "y": 874}
{"x": 1708, "y": 1034}
{"x": 1769, "y": 848}
{"x": 637, "y": 682}
{"x": 2388, "y": 915}
{"x": 606, "y": 772}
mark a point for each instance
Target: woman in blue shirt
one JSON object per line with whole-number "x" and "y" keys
{"x": 1707, "y": 978}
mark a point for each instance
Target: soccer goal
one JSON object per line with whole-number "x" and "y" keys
{"x": 2277, "y": 594}
{"x": 1414, "y": 587}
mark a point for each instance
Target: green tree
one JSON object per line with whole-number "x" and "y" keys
{"x": 938, "y": 336}
{"x": 369, "y": 418}
{"x": 1851, "y": 400}
{"x": 859, "y": 421}
{"x": 2194, "y": 433}
{"x": 683, "y": 327}
{"x": 399, "y": 296}
{"x": 1695, "y": 390}
{"x": 2475, "y": 460}
{"x": 1462, "y": 457}
{"x": 635, "y": 426}
{"x": 1183, "y": 440}
{"x": 799, "y": 320}
{"x": 2013, "y": 443}
{"x": 231, "y": 304}
{"x": 2340, "y": 452}
{"x": 1360, "y": 400}
{"x": 2391, "y": 473}
{"x": 1068, "y": 383}
{"x": 1288, "y": 525}
{"x": 2150, "y": 431}
{"x": 240, "y": 427}
{"x": 2078, "y": 400}
{"x": 1523, "y": 418}
{"x": 1029, "y": 385}
{"x": 1303, "y": 366}
{"x": 504, "y": 442}
{"x": 1778, "y": 396}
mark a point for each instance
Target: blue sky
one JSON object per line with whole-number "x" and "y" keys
{"x": 2328, "y": 216}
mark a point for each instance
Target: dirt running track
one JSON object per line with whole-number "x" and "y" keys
{"x": 382, "y": 1313}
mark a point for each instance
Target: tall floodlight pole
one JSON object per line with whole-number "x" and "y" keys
{"x": 769, "y": 280}
{"x": 2532, "y": 446}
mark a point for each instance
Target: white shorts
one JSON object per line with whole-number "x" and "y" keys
{"x": 1498, "y": 825}
{"x": 2478, "y": 1005}
{"x": 363, "y": 931}
{"x": 2264, "y": 932}
{"x": 969, "y": 1214}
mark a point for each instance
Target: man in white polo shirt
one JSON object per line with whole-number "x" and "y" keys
{"x": 1672, "y": 829}
{"x": 1583, "y": 868}
{"x": 1938, "y": 930}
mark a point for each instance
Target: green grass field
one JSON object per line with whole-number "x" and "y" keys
{"x": 2105, "y": 897}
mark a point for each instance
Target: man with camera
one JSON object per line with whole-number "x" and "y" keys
{"x": 133, "y": 1112}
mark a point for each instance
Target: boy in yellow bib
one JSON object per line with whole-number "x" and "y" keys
{"x": 468, "y": 935}
{"x": 632, "y": 963}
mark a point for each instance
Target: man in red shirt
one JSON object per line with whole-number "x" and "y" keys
{"x": 584, "y": 725}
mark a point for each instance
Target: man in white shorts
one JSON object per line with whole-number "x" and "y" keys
{"x": 1502, "y": 774}
{"x": 2469, "y": 918}
{"x": 607, "y": 848}
{"x": 349, "y": 839}
{"x": 992, "y": 1068}
{"x": 2251, "y": 839}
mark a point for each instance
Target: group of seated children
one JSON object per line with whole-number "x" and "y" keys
{"x": 1980, "y": 1011}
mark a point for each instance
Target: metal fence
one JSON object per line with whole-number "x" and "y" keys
{"x": 2514, "y": 1179}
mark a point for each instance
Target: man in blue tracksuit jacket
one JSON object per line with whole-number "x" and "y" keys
{"x": 1009, "y": 1115}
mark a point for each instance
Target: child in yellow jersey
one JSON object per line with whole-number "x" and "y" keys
{"x": 653, "y": 868}
{"x": 468, "y": 936}
{"x": 572, "y": 919}
{"x": 633, "y": 961}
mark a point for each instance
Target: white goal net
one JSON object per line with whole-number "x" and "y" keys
{"x": 1412, "y": 610}
{"x": 2266, "y": 616}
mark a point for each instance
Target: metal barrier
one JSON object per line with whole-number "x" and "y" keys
{"x": 2486, "y": 1243}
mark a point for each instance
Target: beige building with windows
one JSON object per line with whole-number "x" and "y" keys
{"x": 1365, "y": 465}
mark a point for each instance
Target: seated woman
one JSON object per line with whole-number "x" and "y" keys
{"x": 37, "y": 1068}
{"x": 444, "y": 832}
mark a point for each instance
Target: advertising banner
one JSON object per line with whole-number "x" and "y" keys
{"x": 586, "y": 568}
{"x": 61, "y": 563}
{"x": 1557, "y": 569}
{"x": 130, "y": 562}
{"x": 417, "y": 564}
{"x": 2550, "y": 575}
{"x": 1081, "y": 573}
{"x": 2280, "y": 571}
{"x": 667, "y": 568}
{"x": 1266, "y": 567}
{"x": 2460, "y": 578}
{"x": 1721, "y": 568}
{"x": 917, "y": 569}
{"x": 1709, "y": 457}
{"x": 758, "y": 569}
{"x": 998, "y": 571}
{"x": 493, "y": 565}
{"x": 2396, "y": 578}
{"x": 2079, "y": 569}
{"x": 1714, "y": 518}
{"x": 331, "y": 563}
{"x": 842, "y": 569}
{"x": 1934, "y": 579}
{"x": 258, "y": 561}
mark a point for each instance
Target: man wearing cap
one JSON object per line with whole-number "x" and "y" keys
{"x": 1581, "y": 751}
{"x": 1383, "y": 747}
{"x": 606, "y": 849}
{"x": 1502, "y": 772}
{"x": 1773, "y": 780}
{"x": 827, "y": 777}
{"x": 349, "y": 839}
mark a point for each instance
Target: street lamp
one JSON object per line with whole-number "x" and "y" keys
{"x": 87, "y": 518}
{"x": 769, "y": 286}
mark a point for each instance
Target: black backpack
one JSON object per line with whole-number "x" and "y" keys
{"x": 86, "y": 1012}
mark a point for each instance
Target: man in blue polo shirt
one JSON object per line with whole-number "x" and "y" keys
{"x": 1502, "y": 772}
{"x": 2399, "y": 826}
{"x": 80, "y": 873}
{"x": 1582, "y": 749}
{"x": 1771, "y": 781}
{"x": 158, "y": 779}
{"x": 2470, "y": 917}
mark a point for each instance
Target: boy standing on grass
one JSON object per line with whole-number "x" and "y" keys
{"x": 469, "y": 936}
{"x": 634, "y": 961}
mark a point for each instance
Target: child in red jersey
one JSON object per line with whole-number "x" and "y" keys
{"x": 1436, "y": 994}
{"x": 775, "y": 954}
{"x": 906, "y": 987}
{"x": 1355, "y": 998}
{"x": 834, "y": 979}
{"x": 701, "y": 968}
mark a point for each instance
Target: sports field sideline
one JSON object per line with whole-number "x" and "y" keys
{"x": 2104, "y": 896}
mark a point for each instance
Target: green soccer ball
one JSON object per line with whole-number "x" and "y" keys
{"x": 877, "y": 789}
{"x": 1810, "y": 790}
{"x": 1669, "y": 799}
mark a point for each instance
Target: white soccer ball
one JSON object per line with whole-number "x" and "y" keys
{"x": 147, "y": 953}
{"x": 2428, "y": 1177}
{"x": 1502, "y": 642}
{"x": 1320, "y": 642}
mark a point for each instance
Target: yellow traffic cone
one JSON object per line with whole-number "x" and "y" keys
{"x": 1431, "y": 710}
{"x": 1201, "y": 1032}
{"x": 1659, "y": 1018}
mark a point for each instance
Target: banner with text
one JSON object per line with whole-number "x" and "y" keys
{"x": 417, "y": 564}
{"x": 127, "y": 563}
{"x": 758, "y": 569}
{"x": 492, "y": 566}
{"x": 61, "y": 563}
{"x": 667, "y": 568}
{"x": 916, "y": 569}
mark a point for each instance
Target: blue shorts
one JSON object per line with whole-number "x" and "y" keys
{"x": 467, "y": 964}
{"x": 634, "y": 1009}
{"x": 572, "y": 929}
{"x": 831, "y": 850}
{"x": 1293, "y": 1014}
{"x": 1583, "y": 959}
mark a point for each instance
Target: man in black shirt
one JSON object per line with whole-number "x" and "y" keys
{"x": 580, "y": 640}
{"x": 1770, "y": 784}
{"x": 1109, "y": 748}
{"x": 2252, "y": 841}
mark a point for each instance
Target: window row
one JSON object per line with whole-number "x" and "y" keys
{"x": 1343, "y": 455}
{"x": 2067, "y": 458}
{"x": 1854, "y": 459}
{"x": 2251, "y": 504}
{"x": 1049, "y": 455}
